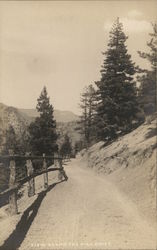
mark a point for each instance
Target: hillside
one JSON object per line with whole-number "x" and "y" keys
{"x": 130, "y": 163}
{"x": 11, "y": 116}
{"x": 68, "y": 128}
{"x": 21, "y": 118}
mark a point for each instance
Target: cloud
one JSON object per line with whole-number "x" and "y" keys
{"x": 131, "y": 25}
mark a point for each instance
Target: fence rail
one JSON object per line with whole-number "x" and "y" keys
{"x": 15, "y": 185}
{"x": 24, "y": 157}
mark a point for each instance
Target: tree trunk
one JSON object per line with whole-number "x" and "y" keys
{"x": 45, "y": 174}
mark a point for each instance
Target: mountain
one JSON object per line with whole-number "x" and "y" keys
{"x": 65, "y": 116}
{"x": 21, "y": 118}
{"x": 60, "y": 116}
{"x": 32, "y": 113}
{"x": 66, "y": 123}
{"x": 11, "y": 116}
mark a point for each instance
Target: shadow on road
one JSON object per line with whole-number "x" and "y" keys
{"x": 151, "y": 133}
{"x": 16, "y": 238}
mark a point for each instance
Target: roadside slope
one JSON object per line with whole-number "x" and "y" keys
{"x": 130, "y": 162}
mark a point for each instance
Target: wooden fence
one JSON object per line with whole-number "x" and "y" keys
{"x": 14, "y": 185}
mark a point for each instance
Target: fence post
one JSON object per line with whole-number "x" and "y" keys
{"x": 30, "y": 170}
{"x": 13, "y": 197}
{"x": 45, "y": 174}
{"x": 60, "y": 163}
{"x": 56, "y": 159}
{"x": 62, "y": 173}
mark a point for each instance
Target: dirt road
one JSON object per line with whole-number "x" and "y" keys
{"x": 86, "y": 212}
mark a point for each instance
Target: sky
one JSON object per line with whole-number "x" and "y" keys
{"x": 59, "y": 44}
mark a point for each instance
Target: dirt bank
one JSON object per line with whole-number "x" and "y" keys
{"x": 130, "y": 163}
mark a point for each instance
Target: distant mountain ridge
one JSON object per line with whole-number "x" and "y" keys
{"x": 60, "y": 116}
{"x": 29, "y": 114}
{"x": 20, "y": 119}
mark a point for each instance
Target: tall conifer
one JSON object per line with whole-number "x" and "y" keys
{"x": 147, "y": 92}
{"x": 117, "y": 101}
{"x": 86, "y": 124}
{"x": 43, "y": 130}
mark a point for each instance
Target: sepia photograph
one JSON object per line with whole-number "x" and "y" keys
{"x": 78, "y": 125}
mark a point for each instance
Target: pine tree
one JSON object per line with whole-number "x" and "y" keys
{"x": 66, "y": 147}
{"x": 1, "y": 140}
{"x": 86, "y": 123}
{"x": 1, "y": 134}
{"x": 25, "y": 142}
{"x": 147, "y": 90}
{"x": 116, "y": 95}
{"x": 78, "y": 146}
{"x": 43, "y": 130}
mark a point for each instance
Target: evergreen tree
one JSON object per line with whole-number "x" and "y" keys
{"x": 86, "y": 123}
{"x": 116, "y": 94}
{"x": 1, "y": 140}
{"x": 78, "y": 146}
{"x": 11, "y": 142}
{"x": 25, "y": 141}
{"x": 1, "y": 134}
{"x": 66, "y": 147}
{"x": 43, "y": 130}
{"x": 147, "y": 90}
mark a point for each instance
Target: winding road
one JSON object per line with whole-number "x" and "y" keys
{"x": 86, "y": 212}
